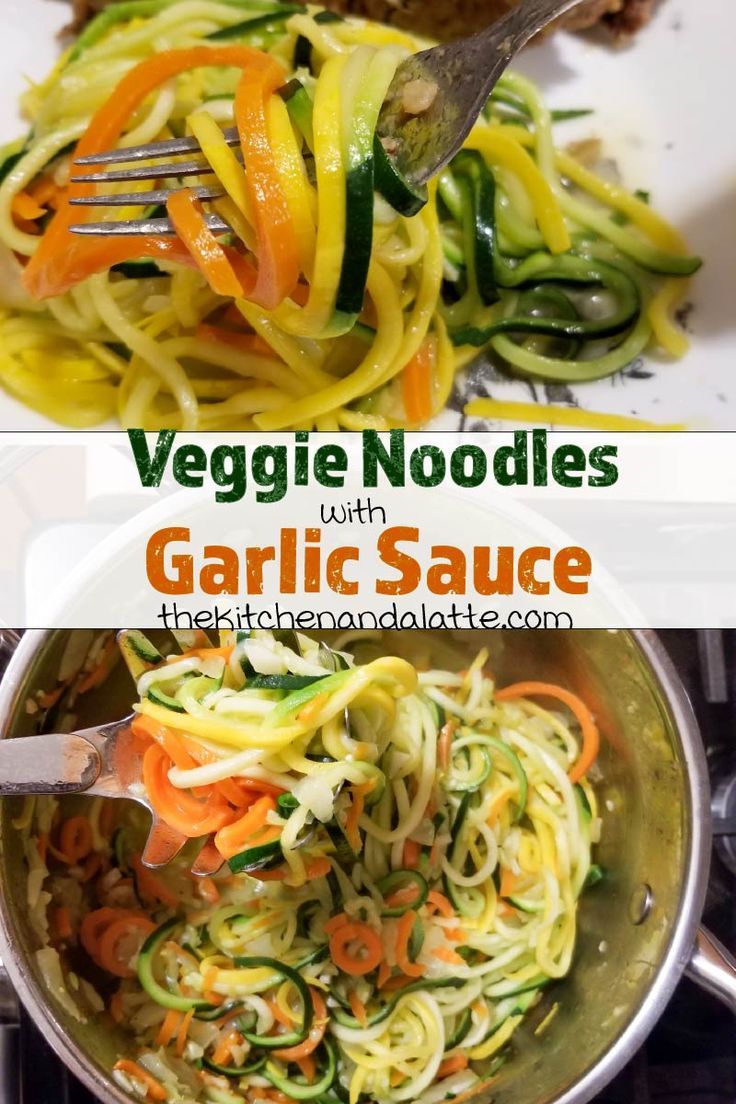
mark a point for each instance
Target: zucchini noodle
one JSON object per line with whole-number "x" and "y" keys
{"x": 340, "y": 298}
{"x": 403, "y": 855}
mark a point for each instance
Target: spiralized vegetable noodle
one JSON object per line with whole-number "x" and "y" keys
{"x": 340, "y": 297}
{"x": 403, "y": 855}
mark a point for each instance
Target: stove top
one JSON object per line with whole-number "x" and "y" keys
{"x": 690, "y": 1058}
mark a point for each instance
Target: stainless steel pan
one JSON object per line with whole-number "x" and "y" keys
{"x": 639, "y": 930}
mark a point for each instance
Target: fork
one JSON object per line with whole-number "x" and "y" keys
{"x": 460, "y": 75}
{"x": 103, "y": 761}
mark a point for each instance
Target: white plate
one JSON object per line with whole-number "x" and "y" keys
{"x": 664, "y": 109}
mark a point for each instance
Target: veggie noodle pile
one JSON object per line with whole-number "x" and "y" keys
{"x": 404, "y": 855}
{"x": 340, "y": 296}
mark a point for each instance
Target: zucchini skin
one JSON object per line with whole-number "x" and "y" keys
{"x": 394, "y": 880}
{"x": 298, "y": 1091}
{"x": 157, "y": 992}
{"x": 255, "y": 858}
{"x": 382, "y": 1014}
{"x": 289, "y": 1039}
{"x": 358, "y": 239}
{"x": 482, "y": 188}
{"x": 405, "y": 197}
{"x": 258, "y": 23}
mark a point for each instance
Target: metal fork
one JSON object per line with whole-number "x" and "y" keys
{"x": 464, "y": 73}
{"x": 104, "y": 761}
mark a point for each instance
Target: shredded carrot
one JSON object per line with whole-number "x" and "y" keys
{"x": 439, "y": 903}
{"x": 336, "y": 921}
{"x": 209, "y": 977}
{"x": 42, "y": 845}
{"x": 208, "y": 890}
{"x": 399, "y": 981}
{"x": 312, "y": 709}
{"x": 154, "y": 1088}
{"x": 416, "y": 382}
{"x": 412, "y": 854}
{"x": 354, "y": 813}
{"x": 396, "y": 1077}
{"x": 358, "y": 1008}
{"x": 588, "y": 727}
{"x": 454, "y": 1064}
{"x": 169, "y": 1027}
{"x": 509, "y": 881}
{"x": 222, "y": 1055}
{"x": 25, "y": 207}
{"x": 233, "y": 838}
{"x": 50, "y": 697}
{"x": 355, "y": 963}
{"x": 384, "y": 973}
{"x": 181, "y": 1035}
{"x": 76, "y": 838}
{"x": 92, "y": 866}
{"x": 446, "y": 954}
{"x": 278, "y": 1013}
{"x": 102, "y": 668}
{"x": 116, "y": 1006}
{"x": 444, "y": 745}
{"x": 403, "y": 935}
{"x": 62, "y": 923}
{"x": 179, "y": 809}
{"x": 308, "y": 1067}
{"x": 315, "y": 1036}
{"x": 407, "y": 895}
{"x": 245, "y": 342}
{"x": 110, "y": 938}
{"x": 151, "y": 887}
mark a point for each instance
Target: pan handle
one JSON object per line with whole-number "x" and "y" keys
{"x": 713, "y": 968}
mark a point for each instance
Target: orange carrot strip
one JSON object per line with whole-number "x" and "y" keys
{"x": 454, "y": 1064}
{"x": 446, "y": 954}
{"x": 169, "y": 1027}
{"x": 384, "y": 973}
{"x": 62, "y": 259}
{"x": 353, "y": 815}
{"x": 225, "y": 270}
{"x": 244, "y": 342}
{"x": 76, "y": 838}
{"x": 315, "y": 1037}
{"x": 358, "y": 1008}
{"x": 412, "y": 854}
{"x": 25, "y": 207}
{"x": 416, "y": 382}
{"x": 151, "y": 887}
{"x": 107, "y": 949}
{"x": 351, "y": 962}
{"x": 509, "y": 881}
{"x": 62, "y": 923}
{"x": 232, "y": 838}
{"x": 181, "y": 1035}
{"x": 403, "y": 935}
{"x": 444, "y": 745}
{"x": 154, "y": 1088}
{"x": 588, "y": 727}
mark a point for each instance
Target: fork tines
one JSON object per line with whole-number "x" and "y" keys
{"x": 153, "y": 170}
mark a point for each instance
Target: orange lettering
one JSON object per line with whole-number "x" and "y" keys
{"x": 569, "y": 563}
{"x": 183, "y": 581}
{"x": 403, "y": 563}
{"x": 335, "y": 574}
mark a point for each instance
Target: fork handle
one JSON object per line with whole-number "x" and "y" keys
{"x": 532, "y": 16}
{"x": 58, "y": 763}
